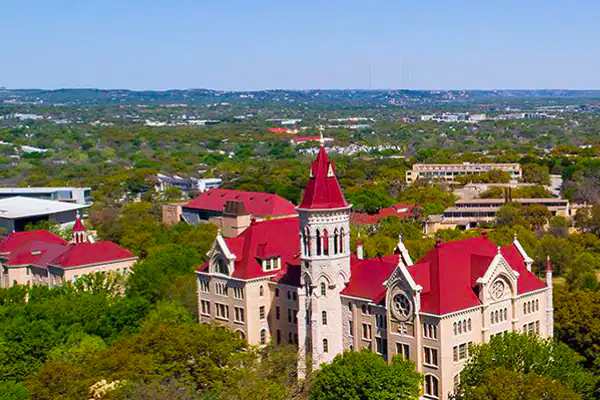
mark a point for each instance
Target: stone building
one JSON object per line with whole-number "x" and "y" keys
{"x": 295, "y": 280}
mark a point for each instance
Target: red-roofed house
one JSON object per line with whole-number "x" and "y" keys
{"x": 400, "y": 210}
{"x": 216, "y": 205}
{"x": 295, "y": 281}
{"x": 42, "y": 258}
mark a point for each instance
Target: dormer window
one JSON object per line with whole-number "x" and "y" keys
{"x": 271, "y": 264}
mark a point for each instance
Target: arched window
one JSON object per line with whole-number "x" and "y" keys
{"x": 364, "y": 309}
{"x": 263, "y": 336}
{"x": 324, "y": 317}
{"x": 307, "y": 234}
{"x": 455, "y": 329}
{"x": 524, "y": 308}
{"x": 222, "y": 267}
{"x": 325, "y": 242}
{"x": 528, "y": 307}
{"x": 341, "y": 240}
{"x": 260, "y": 291}
{"x": 465, "y": 326}
{"x": 278, "y": 336}
{"x": 496, "y": 316}
{"x": 335, "y": 241}
{"x": 459, "y": 327}
{"x": 325, "y": 346}
{"x": 537, "y": 305}
{"x": 318, "y": 237}
{"x": 323, "y": 289}
{"x": 350, "y": 306}
{"x": 505, "y": 314}
{"x": 469, "y": 324}
{"x": 241, "y": 334}
{"x": 276, "y": 292}
{"x": 431, "y": 386}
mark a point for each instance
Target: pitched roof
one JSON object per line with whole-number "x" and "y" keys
{"x": 256, "y": 203}
{"x": 91, "y": 253}
{"x": 448, "y": 273}
{"x": 17, "y": 239}
{"x": 267, "y": 239}
{"x": 42, "y": 248}
{"x": 323, "y": 190}
{"x": 399, "y": 210}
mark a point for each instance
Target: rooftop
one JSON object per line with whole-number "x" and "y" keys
{"x": 21, "y": 207}
{"x": 41, "y": 190}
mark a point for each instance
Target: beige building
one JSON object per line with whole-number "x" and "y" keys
{"x": 470, "y": 213}
{"x": 43, "y": 258}
{"x": 294, "y": 280}
{"x": 448, "y": 172}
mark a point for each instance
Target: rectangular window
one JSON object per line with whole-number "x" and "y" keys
{"x": 367, "y": 331}
{"x": 537, "y": 327}
{"x": 295, "y": 316}
{"x": 277, "y": 312}
{"x": 289, "y": 315}
{"x": 380, "y": 320}
{"x": 261, "y": 312}
{"x": 462, "y": 351}
{"x": 430, "y": 356}
{"x": 455, "y": 353}
{"x": 205, "y": 305}
{"x": 351, "y": 326}
{"x": 379, "y": 345}
{"x": 222, "y": 311}
{"x": 430, "y": 331}
{"x": 221, "y": 288}
{"x": 204, "y": 285}
{"x": 238, "y": 293}
{"x": 239, "y": 314}
{"x": 404, "y": 350}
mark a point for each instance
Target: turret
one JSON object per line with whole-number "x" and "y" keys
{"x": 79, "y": 231}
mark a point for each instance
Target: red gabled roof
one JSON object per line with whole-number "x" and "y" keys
{"x": 91, "y": 253}
{"x": 448, "y": 275}
{"x": 256, "y": 203}
{"x": 42, "y": 248}
{"x": 267, "y": 239}
{"x": 17, "y": 239}
{"x": 449, "y": 272}
{"x": 278, "y": 130}
{"x": 399, "y": 210}
{"x": 323, "y": 190}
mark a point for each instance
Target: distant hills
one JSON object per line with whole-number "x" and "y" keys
{"x": 294, "y": 97}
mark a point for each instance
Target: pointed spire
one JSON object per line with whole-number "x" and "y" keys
{"x": 499, "y": 250}
{"x": 321, "y": 138}
{"x": 323, "y": 190}
{"x": 78, "y": 231}
{"x": 78, "y": 227}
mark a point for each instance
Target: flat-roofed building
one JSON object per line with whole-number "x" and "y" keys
{"x": 18, "y": 212}
{"x": 470, "y": 213}
{"x": 449, "y": 172}
{"x": 78, "y": 195}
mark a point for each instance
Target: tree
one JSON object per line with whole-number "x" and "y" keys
{"x": 10, "y": 390}
{"x": 534, "y": 173}
{"x": 508, "y": 215}
{"x": 528, "y": 356}
{"x": 536, "y": 216}
{"x": 559, "y": 226}
{"x": 504, "y": 384}
{"x": 365, "y": 375}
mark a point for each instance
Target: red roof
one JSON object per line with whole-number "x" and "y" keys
{"x": 42, "y": 248}
{"x": 256, "y": 203}
{"x": 301, "y": 139}
{"x": 78, "y": 227}
{"x": 17, "y": 239}
{"x": 278, "y": 130}
{"x": 399, "y": 210}
{"x": 323, "y": 190}
{"x": 448, "y": 275}
{"x": 267, "y": 239}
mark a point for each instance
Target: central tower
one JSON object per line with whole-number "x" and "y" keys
{"x": 325, "y": 260}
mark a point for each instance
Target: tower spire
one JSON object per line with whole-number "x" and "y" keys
{"x": 78, "y": 230}
{"x": 321, "y": 138}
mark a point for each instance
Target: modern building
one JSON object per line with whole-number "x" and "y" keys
{"x": 210, "y": 205}
{"x": 18, "y": 212}
{"x": 295, "y": 280}
{"x": 65, "y": 194}
{"x": 470, "y": 213}
{"x": 186, "y": 184}
{"x": 42, "y": 258}
{"x": 448, "y": 172}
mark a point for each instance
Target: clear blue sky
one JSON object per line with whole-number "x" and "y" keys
{"x": 262, "y": 44}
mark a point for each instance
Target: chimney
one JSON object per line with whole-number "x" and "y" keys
{"x": 359, "y": 248}
{"x": 235, "y": 219}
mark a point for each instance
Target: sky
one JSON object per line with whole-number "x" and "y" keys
{"x": 300, "y": 44}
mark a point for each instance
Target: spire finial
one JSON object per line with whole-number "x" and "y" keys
{"x": 548, "y": 264}
{"x": 499, "y": 250}
{"x": 321, "y": 138}
{"x": 516, "y": 236}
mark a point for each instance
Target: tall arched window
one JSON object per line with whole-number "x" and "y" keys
{"x": 318, "y": 237}
{"x": 278, "y": 336}
{"x": 341, "y": 240}
{"x": 276, "y": 292}
{"x": 323, "y": 289}
{"x": 431, "y": 386}
{"x": 263, "y": 336}
{"x": 469, "y": 324}
{"x": 307, "y": 234}
{"x": 335, "y": 241}
{"x": 325, "y": 346}
{"x": 324, "y": 317}
{"x": 325, "y": 242}
{"x": 455, "y": 329}
{"x": 222, "y": 267}
{"x": 459, "y": 327}
{"x": 261, "y": 291}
